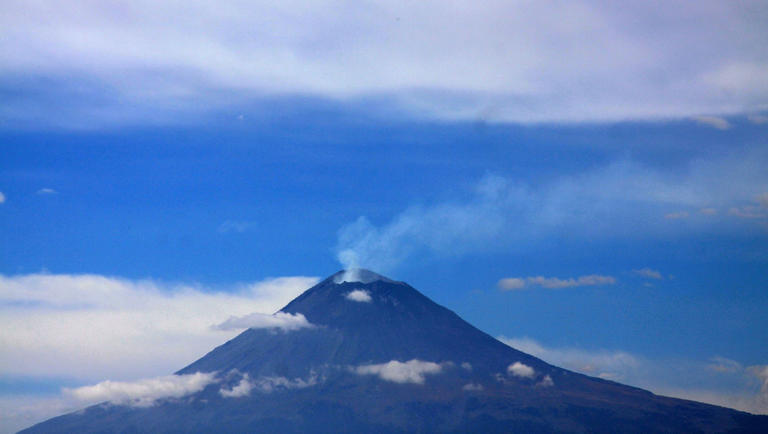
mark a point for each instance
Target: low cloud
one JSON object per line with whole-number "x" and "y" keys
{"x": 242, "y": 388}
{"x": 271, "y": 384}
{"x": 44, "y": 191}
{"x": 758, "y": 119}
{"x": 546, "y": 382}
{"x": 515, "y": 283}
{"x": 648, "y": 273}
{"x": 359, "y": 295}
{"x": 279, "y": 321}
{"x": 521, "y": 370}
{"x": 713, "y": 121}
{"x": 266, "y": 384}
{"x": 719, "y": 380}
{"x": 2, "y": 197}
{"x": 143, "y": 393}
{"x": 601, "y": 362}
{"x": 412, "y": 371}
{"x": 98, "y": 327}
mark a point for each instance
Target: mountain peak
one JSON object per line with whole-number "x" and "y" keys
{"x": 358, "y": 275}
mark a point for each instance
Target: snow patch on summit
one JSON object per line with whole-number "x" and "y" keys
{"x": 358, "y": 275}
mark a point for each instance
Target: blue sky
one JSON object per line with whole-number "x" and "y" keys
{"x": 585, "y": 182}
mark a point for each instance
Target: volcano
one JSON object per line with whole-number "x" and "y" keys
{"x": 378, "y": 356}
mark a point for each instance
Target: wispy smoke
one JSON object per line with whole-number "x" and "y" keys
{"x": 454, "y": 227}
{"x": 623, "y": 199}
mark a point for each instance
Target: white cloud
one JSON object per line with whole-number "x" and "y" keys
{"x": 267, "y": 384}
{"x": 46, "y": 191}
{"x": 676, "y": 215}
{"x": 466, "y": 366}
{"x": 708, "y": 211}
{"x": 473, "y": 387}
{"x": 242, "y": 388}
{"x": 556, "y": 283}
{"x": 748, "y": 212}
{"x": 722, "y": 364}
{"x": 511, "y": 283}
{"x": 235, "y": 226}
{"x": 412, "y": 371}
{"x": 713, "y": 121}
{"x": 621, "y": 199}
{"x": 270, "y": 384}
{"x": 2, "y": 197}
{"x": 280, "y": 320}
{"x": 514, "y": 283}
{"x": 98, "y": 327}
{"x": 648, "y": 273}
{"x": 758, "y": 119}
{"x": 521, "y": 370}
{"x": 761, "y": 372}
{"x": 359, "y": 295}
{"x": 496, "y": 61}
{"x": 546, "y": 382}
{"x": 145, "y": 392}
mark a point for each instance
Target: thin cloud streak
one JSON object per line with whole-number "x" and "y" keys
{"x": 713, "y": 121}
{"x": 648, "y": 273}
{"x": 515, "y": 283}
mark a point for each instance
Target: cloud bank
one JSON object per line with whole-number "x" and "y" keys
{"x": 143, "y": 393}
{"x": 412, "y": 371}
{"x": 623, "y": 199}
{"x": 98, "y": 327}
{"x": 520, "y": 60}
{"x": 279, "y": 321}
